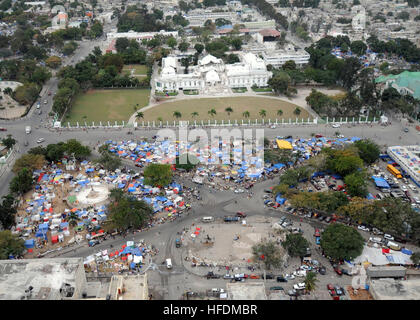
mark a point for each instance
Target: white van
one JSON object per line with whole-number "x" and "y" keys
{"x": 207, "y": 219}
{"x": 375, "y": 239}
{"x": 169, "y": 263}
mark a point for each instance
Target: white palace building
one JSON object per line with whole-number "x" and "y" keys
{"x": 212, "y": 73}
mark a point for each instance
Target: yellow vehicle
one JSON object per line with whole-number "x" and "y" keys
{"x": 394, "y": 171}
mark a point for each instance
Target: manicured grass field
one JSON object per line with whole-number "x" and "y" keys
{"x": 107, "y": 105}
{"x": 239, "y": 105}
{"x": 139, "y": 69}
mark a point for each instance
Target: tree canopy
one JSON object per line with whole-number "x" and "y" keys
{"x": 127, "y": 212}
{"x": 268, "y": 252}
{"x": 341, "y": 242}
{"x": 10, "y": 244}
{"x": 295, "y": 245}
{"x": 22, "y": 182}
{"x": 156, "y": 174}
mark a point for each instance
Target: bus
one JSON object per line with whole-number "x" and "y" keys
{"x": 394, "y": 171}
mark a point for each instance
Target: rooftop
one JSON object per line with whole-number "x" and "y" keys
{"x": 246, "y": 291}
{"x": 129, "y": 287}
{"x": 406, "y": 79}
{"x": 390, "y": 289}
{"x": 270, "y": 33}
{"x": 46, "y": 276}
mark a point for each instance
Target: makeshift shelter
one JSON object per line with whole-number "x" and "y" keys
{"x": 283, "y": 144}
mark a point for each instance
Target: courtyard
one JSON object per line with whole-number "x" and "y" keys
{"x": 239, "y": 105}
{"x": 107, "y": 105}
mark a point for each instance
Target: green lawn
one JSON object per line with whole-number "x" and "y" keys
{"x": 107, "y": 105}
{"x": 239, "y": 105}
{"x": 138, "y": 69}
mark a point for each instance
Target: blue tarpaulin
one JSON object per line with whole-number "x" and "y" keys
{"x": 279, "y": 199}
{"x": 43, "y": 226}
{"x": 380, "y": 182}
{"x": 406, "y": 251}
{"x": 29, "y": 243}
{"x": 136, "y": 252}
{"x": 370, "y": 196}
{"x": 278, "y": 165}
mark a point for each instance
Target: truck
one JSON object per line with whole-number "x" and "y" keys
{"x": 230, "y": 219}
{"x": 28, "y": 129}
{"x": 393, "y": 246}
{"x": 169, "y": 263}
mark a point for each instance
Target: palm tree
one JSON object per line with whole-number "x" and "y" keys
{"x": 212, "y": 112}
{"x": 72, "y": 219}
{"x": 194, "y": 114}
{"x": 263, "y": 113}
{"x": 310, "y": 281}
{"x": 139, "y": 115}
{"x": 160, "y": 119}
{"x": 246, "y": 114}
{"x": 177, "y": 114}
{"x": 297, "y": 111}
{"x": 279, "y": 112}
{"x": 229, "y": 110}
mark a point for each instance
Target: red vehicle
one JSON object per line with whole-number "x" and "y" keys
{"x": 338, "y": 271}
{"x": 317, "y": 233}
{"x": 330, "y": 286}
{"x": 49, "y": 93}
{"x": 318, "y": 136}
{"x": 3, "y": 129}
{"x": 240, "y": 214}
{"x": 254, "y": 276}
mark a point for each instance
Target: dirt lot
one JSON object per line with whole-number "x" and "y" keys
{"x": 223, "y": 249}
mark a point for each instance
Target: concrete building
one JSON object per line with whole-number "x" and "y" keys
{"x": 386, "y": 272}
{"x": 42, "y": 279}
{"x": 405, "y": 83}
{"x": 139, "y": 36}
{"x": 278, "y": 57}
{"x": 390, "y": 289}
{"x": 212, "y": 72}
{"x": 258, "y": 25}
{"x": 408, "y": 158}
{"x": 128, "y": 287}
{"x": 246, "y": 291}
{"x": 198, "y": 17}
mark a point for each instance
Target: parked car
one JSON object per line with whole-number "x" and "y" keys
{"x": 338, "y": 271}
{"x": 289, "y": 276}
{"x": 228, "y": 276}
{"x": 40, "y": 140}
{"x": 388, "y": 236}
{"x": 240, "y": 214}
{"x": 281, "y": 279}
{"x": 254, "y": 276}
{"x": 276, "y": 288}
{"x": 330, "y": 286}
{"x": 211, "y": 275}
{"x": 336, "y": 125}
{"x": 299, "y": 286}
{"x": 338, "y": 290}
{"x": 293, "y": 293}
{"x": 322, "y": 270}
{"x": 318, "y": 136}
{"x": 328, "y": 219}
{"x": 267, "y": 276}
{"x": 3, "y": 129}
{"x": 346, "y": 272}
